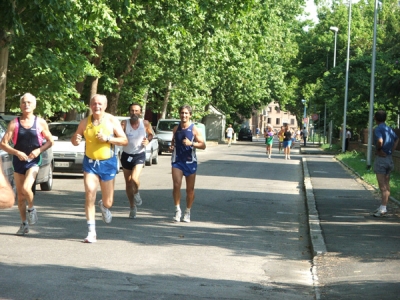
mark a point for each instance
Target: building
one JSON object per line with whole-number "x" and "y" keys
{"x": 271, "y": 114}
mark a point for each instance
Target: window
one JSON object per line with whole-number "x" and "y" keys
{"x": 278, "y": 121}
{"x": 269, "y": 121}
{"x": 291, "y": 121}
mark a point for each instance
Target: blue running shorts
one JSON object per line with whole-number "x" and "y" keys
{"x": 287, "y": 144}
{"x": 106, "y": 169}
{"x": 21, "y": 167}
{"x": 187, "y": 169}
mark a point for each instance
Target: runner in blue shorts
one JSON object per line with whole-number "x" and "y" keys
{"x": 186, "y": 139}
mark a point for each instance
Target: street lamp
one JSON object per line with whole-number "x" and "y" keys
{"x": 347, "y": 84}
{"x": 371, "y": 99}
{"x": 334, "y": 29}
{"x": 305, "y": 112}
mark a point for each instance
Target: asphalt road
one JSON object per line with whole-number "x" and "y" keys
{"x": 248, "y": 237}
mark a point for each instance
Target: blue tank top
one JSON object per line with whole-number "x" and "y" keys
{"x": 27, "y": 139}
{"x": 182, "y": 153}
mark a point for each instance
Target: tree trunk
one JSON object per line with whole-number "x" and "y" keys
{"x": 96, "y": 62}
{"x": 145, "y": 96}
{"x": 166, "y": 99}
{"x": 4, "y": 41}
{"x": 112, "y": 106}
{"x": 72, "y": 114}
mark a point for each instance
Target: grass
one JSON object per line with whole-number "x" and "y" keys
{"x": 357, "y": 161}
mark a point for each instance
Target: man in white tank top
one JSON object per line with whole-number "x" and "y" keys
{"x": 139, "y": 134}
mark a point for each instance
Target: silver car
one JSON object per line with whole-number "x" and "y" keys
{"x": 164, "y": 132}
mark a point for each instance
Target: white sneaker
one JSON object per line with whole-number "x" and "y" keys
{"x": 32, "y": 217}
{"x": 23, "y": 229}
{"x": 106, "y": 213}
{"x": 91, "y": 238}
{"x": 178, "y": 214}
{"x": 186, "y": 217}
{"x": 132, "y": 214}
{"x": 138, "y": 200}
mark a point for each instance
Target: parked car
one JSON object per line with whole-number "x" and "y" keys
{"x": 164, "y": 132}
{"x": 45, "y": 174}
{"x": 245, "y": 134}
{"x": 151, "y": 148}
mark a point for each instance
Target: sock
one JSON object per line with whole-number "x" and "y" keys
{"x": 91, "y": 226}
{"x": 25, "y": 222}
{"x": 177, "y": 207}
{"x": 31, "y": 209}
{"x": 187, "y": 210}
{"x": 382, "y": 208}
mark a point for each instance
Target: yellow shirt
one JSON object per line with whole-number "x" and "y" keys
{"x": 96, "y": 149}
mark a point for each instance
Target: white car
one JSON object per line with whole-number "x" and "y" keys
{"x": 164, "y": 132}
{"x": 151, "y": 148}
{"x": 67, "y": 157}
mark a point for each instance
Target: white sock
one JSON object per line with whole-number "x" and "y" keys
{"x": 177, "y": 207}
{"x": 91, "y": 226}
{"x": 382, "y": 208}
{"x": 187, "y": 210}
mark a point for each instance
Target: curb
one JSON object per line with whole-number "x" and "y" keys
{"x": 317, "y": 241}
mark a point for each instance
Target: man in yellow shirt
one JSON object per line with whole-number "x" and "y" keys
{"x": 102, "y": 131}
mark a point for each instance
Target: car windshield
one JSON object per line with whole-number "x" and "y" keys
{"x": 167, "y": 125}
{"x": 63, "y": 131}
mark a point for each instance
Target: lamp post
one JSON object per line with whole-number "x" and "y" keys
{"x": 305, "y": 113}
{"x": 334, "y": 29}
{"x": 371, "y": 99}
{"x": 347, "y": 84}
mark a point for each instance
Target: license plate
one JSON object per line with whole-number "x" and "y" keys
{"x": 61, "y": 164}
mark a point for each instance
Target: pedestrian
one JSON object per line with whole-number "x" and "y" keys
{"x": 185, "y": 140}
{"x": 287, "y": 142}
{"x": 102, "y": 131}
{"x": 269, "y": 139}
{"x": 139, "y": 134}
{"x": 27, "y": 133}
{"x": 386, "y": 142}
{"x": 257, "y": 132}
{"x": 229, "y": 134}
{"x": 304, "y": 135}
{"x": 348, "y": 138}
{"x": 281, "y": 135}
{"x": 7, "y": 197}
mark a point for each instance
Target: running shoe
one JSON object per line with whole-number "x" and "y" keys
{"x": 138, "y": 200}
{"x": 132, "y": 214}
{"x": 178, "y": 214}
{"x": 23, "y": 229}
{"x": 380, "y": 214}
{"x": 106, "y": 213}
{"x": 186, "y": 217}
{"x": 32, "y": 216}
{"x": 91, "y": 238}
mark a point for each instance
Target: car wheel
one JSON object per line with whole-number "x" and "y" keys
{"x": 155, "y": 159}
{"x": 48, "y": 185}
{"x": 150, "y": 161}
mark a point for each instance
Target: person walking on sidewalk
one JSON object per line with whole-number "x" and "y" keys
{"x": 269, "y": 139}
{"x": 229, "y": 134}
{"x": 386, "y": 142}
{"x": 102, "y": 131}
{"x": 139, "y": 134}
{"x": 185, "y": 140}
{"x": 27, "y": 134}
{"x": 304, "y": 135}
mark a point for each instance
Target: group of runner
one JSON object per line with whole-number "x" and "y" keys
{"x": 101, "y": 132}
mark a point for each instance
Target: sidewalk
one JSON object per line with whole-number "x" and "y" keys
{"x": 356, "y": 255}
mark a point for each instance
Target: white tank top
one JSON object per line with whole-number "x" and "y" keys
{"x": 135, "y": 138}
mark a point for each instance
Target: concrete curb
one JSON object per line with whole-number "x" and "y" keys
{"x": 314, "y": 226}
